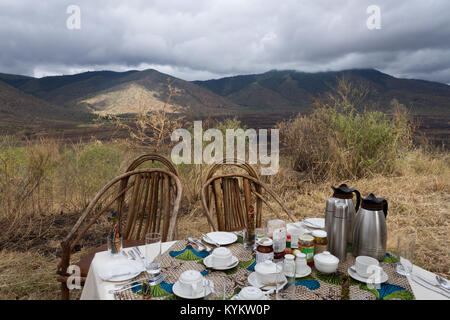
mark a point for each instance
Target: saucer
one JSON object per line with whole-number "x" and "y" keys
{"x": 304, "y": 274}
{"x": 220, "y": 237}
{"x": 253, "y": 280}
{"x": 356, "y": 276}
{"x": 208, "y": 263}
{"x": 178, "y": 292}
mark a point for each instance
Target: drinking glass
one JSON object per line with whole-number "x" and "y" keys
{"x": 289, "y": 270}
{"x": 405, "y": 253}
{"x": 208, "y": 290}
{"x": 114, "y": 245}
{"x": 260, "y": 233}
{"x": 153, "y": 253}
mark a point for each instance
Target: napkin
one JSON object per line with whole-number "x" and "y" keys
{"x": 112, "y": 269}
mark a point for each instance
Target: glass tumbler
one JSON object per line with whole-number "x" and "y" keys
{"x": 153, "y": 253}
{"x": 114, "y": 245}
{"x": 405, "y": 253}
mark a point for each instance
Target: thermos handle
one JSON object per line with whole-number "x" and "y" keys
{"x": 358, "y": 200}
{"x": 385, "y": 207}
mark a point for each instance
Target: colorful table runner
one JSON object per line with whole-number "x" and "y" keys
{"x": 317, "y": 286}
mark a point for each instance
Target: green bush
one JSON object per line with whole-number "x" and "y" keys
{"x": 338, "y": 142}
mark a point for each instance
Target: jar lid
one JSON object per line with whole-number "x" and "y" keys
{"x": 289, "y": 257}
{"x": 306, "y": 238}
{"x": 300, "y": 255}
{"x": 319, "y": 234}
{"x": 265, "y": 242}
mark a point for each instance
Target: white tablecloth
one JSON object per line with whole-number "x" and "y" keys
{"x": 97, "y": 289}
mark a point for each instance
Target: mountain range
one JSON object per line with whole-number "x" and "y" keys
{"x": 108, "y": 92}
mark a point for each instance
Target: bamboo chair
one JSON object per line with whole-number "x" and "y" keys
{"x": 227, "y": 197}
{"x": 146, "y": 200}
{"x": 153, "y": 157}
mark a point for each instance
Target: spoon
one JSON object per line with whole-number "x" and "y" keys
{"x": 443, "y": 283}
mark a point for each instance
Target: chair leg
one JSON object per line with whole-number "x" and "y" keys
{"x": 65, "y": 292}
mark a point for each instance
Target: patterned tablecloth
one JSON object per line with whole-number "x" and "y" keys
{"x": 316, "y": 286}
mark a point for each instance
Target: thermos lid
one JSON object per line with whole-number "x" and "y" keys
{"x": 373, "y": 203}
{"x": 341, "y": 210}
{"x": 343, "y": 192}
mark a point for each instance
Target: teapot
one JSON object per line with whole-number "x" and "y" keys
{"x": 344, "y": 194}
{"x": 369, "y": 229}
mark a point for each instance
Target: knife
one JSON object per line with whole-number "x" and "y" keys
{"x": 426, "y": 285}
{"x": 431, "y": 283}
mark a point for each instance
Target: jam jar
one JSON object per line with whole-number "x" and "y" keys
{"x": 264, "y": 250}
{"x": 306, "y": 245}
{"x": 320, "y": 241}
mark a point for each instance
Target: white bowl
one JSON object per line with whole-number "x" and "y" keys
{"x": 325, "y": 262}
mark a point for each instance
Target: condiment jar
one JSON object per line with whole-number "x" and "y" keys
{"x": 289, "y": 265}
{"x": 264, "y": 250}
{"x": 320, "y": 241}
{"x": 279, "y": 244}
{"x": 306, "y": 245}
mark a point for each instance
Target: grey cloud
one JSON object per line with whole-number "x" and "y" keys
{"x": 203, "y": 39}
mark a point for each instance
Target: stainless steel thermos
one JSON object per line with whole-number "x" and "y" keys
{"x": 339, "y": 229}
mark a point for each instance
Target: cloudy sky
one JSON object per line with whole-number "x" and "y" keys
{"x": 203, "y": 39}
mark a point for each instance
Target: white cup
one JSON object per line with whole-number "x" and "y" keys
{"x": 221, "y": 257}
{"x": 191, "y": 282}
{"x": 251, "y": 293}
{"x": 267, "y": 272}
{"x": 365, "y": 266}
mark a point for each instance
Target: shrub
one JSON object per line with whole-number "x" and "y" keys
{"x": 337, "y": 142}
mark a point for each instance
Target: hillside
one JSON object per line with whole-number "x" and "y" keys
{"x": 280, "y": 89}
{"x": 16, "y": 105}
{"x": 120, "y": 92}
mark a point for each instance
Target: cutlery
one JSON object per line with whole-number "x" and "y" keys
{"x": 133, "y": 255}
{"x": 199, "y": 247}
{"x": 151, "y": 283}
{"x": 426, "y": 285}
{"x": 210, "y": 240}
{"x": 208, "y": 249}
{"x": 444, "y": 284}
{"x": 273, "y": 284}
{"x": 151, "y": 279}
{"x": 138, "y": 252}
{"x": 432, "y": 283}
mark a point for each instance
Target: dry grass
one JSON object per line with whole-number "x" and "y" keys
{"x": 418, "y": 194}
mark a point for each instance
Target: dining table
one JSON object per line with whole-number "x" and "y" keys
{"x": 180, "y": 255}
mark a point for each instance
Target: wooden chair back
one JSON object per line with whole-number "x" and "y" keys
{"x": 226, "y": 197}
{"x": 145, "y": 200}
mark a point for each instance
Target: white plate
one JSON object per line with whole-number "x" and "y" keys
{"x": 178, "y": 292}
{"x": 356, "y": 276}
{"x": 126, "y": 265}
{"x": 221, "y": 237}
{"x": 306, "y": 273}
{"x": 316, "y": 223}
{"x": 253, "y": 280}
{"x": 208, "y": 263}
